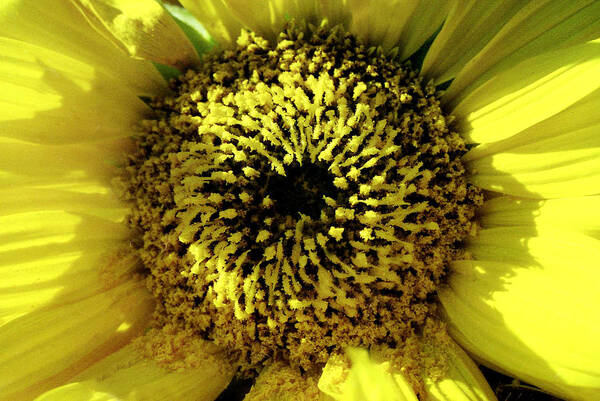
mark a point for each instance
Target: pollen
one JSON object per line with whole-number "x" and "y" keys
{"x": 296, "y": 198}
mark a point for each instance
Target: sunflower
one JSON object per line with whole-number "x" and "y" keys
{"x": 342, "y": 200}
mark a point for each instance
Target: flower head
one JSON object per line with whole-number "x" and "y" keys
{"x": 299, "y": 191}
{"x": 307, "y": 193}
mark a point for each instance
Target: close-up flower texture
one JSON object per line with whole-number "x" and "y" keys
{"x": 311, "y": 200}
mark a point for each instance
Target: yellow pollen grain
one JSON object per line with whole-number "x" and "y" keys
{"x": 340, "y": 182}
{"x": 336, "y": 232}
{"x": 295, "y": 198}
{"x": 366, "y": 234}
{"x": 263, "y": 235}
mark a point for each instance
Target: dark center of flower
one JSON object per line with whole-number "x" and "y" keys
{"x": 301, "y": 190}
{"x": 299, "y": 197}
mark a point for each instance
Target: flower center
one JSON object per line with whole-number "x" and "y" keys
{"x": 302, "y": 190}
{"x": 299, "y": 197}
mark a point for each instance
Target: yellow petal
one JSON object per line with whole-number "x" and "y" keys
{"x": 48, "y": 277}
{"x": 529, "y": 92}
{"x": 52, "y": 257}
{"x": 83, "y": 199}
{"x": 561, "y": 166}
{"x": 574, "y": 214}
{"x": 336, "y": 12}
{"x": 79, "y": 168}
{"x": 76, "y": 392}
{"x": 469, "y": 27}
{"x": 380, "y": 23}
{"x": 462, "y": 382}
{"x": 59, "y": 224}
{"x": 268, "y": 17}
{"x": 538, "y": 27}
{"x": 528, "y": 306}
{"x": 217, "y": 18}
{"x": 224, "y": 19}
{"x": 425, "y": 20}
{"x": 370, "y": 381}
{"x": 128, "y": 375}
{"x": 582, "y": 114}
{"x": 405, "y": 25}
{"x": 447, "y": 372}
{"x": 334, "y": 376}
{"x": 549, "y": 159}
{"x": 49, "y": 98}
{"x": 60, "y": 26}
{"x": 281, "y": 382}
{"x": 363, "y": 379}
{"x": 193, "y": 29}
{"x": 45, "y": 348}
{"x": 143, "y": 28}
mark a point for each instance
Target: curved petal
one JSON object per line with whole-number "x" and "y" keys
{"x": 76, "y": 392}
{"x": 45, "y": 348}
{"x": 550, "y": 159}
{"x": 574, "y": 214}
{"x": 50, "y": 98}
{"x": 281, "y": 382}
{"x": 538, "y": 27}
{"x": 60, "y": 26}
{"x": 67, "y": 295}
{"x": 127, "y": 375}
{"x": 217, "y": 18}
{"x": 445, "y": 371}
{"x": 224, "y": 19}
{"x": 529, "y": 93}
{"x": 462, "y": 381}
{"x": 60, "y": 225}
{"x": 143, "y": 28}
{"x": 582, "y": 114}
{"x": 528, "y": 306}
{"x": 380, "y": 23}
{"x": 76, "y": 168}
{"x": 268, "y": 17}
{"x": 359, "y": 378}
{"x": 468, "y": 29}
{"x": 193, "y": 29}
{"x": 402, "y": 24}
{"x": 562, "y": 166}
{"x": 335, "y": 11}
{"x": 425, "y": 20}
{"x": 52, "y": 257}
{"x": 334, "y": 375}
